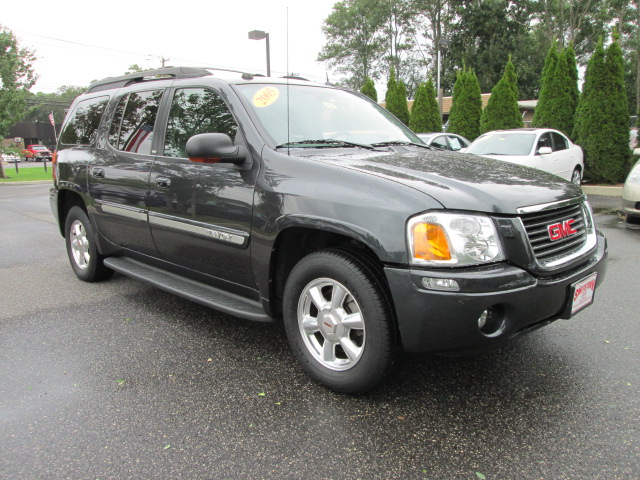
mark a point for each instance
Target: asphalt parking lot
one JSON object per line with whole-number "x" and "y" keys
{"x": 119, "y": 380}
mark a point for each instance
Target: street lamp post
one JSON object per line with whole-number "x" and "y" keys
{"x": 259, "y": 35}
{"x": 442, "y": 42}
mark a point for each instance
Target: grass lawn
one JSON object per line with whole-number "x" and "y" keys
{"x": 25, "y": 174}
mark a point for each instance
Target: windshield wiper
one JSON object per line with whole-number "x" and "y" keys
{"x": 327, "y": 143}
{"x": 398, "y": 142}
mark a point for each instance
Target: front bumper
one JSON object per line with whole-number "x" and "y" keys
{"x": 437, "y": 321}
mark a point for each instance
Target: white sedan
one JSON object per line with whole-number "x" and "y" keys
{"x": 540, "y": 148}
{"x": 10, "y": 158}
{"x": 631, "y": 193}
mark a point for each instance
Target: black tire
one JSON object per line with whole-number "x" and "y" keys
{"x": 355, "y": 332}
{"x": 81, "y": 248}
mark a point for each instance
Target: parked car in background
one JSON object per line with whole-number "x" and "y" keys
{"x": 445, "y": 141}
{"x": 631, "y": 193}
{"x": 10, "y": 158}
{"x": 37, "y": 153}
{"x": 540, "y": 148}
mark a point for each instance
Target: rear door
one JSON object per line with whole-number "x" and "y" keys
{"x": 565, "y": 157}
{"x": 200, "y": 213}
{"x": 119, "y": 174}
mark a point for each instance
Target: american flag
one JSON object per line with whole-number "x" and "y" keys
{"x": 138, "y": 138}
{"x": 51, "y": 119}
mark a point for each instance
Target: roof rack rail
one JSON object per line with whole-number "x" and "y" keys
{"x": 137, "y": 77}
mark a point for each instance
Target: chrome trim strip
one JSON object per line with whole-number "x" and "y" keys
{"x": 205, "y": 230}
{"x": 135, "y": 213}
{"x": 551, "y": 206}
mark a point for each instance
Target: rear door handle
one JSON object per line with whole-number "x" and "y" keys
{"x": 97, "y": 172}
{"x": 163, "y": 182}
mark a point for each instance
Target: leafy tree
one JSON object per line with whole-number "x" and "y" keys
{"x": 502, "y": 111}
{"x": 16, "y": 78}
{"x": 484, "y": 33}
{"x": 425, "y": 114}
{"x": 369, "y": 89}
{"x": 540, "y": 116}
{"x": 42, "y": 104}
{"x": 466, "y": 110}
{"x": 354, "y": 40}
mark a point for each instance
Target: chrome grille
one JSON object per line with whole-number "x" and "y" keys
{"x": 537, "y": 225}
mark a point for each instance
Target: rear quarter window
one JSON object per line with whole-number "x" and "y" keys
{"x": 82, "y": 126}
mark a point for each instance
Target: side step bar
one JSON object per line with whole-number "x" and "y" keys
{"x": 190, "y": 289}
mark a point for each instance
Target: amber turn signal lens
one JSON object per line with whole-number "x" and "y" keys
{"x": 430, "y": 242}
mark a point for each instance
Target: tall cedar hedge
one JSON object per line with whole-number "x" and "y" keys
{"x": 425, "y": 114}
{"x": 601, "y": 123}
{"x": 561, "y": 106}
{"x": 541, "y": 112}
{"x": 466, "y": 109}
{"x": 502, "y": 110}
{"x": 369, "y": 89}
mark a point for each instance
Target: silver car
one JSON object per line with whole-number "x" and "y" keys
{"x": 631, "y": 193}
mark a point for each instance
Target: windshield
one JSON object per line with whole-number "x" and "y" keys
{"x": 503, "y": 144}
{"x": 321, "y": 114}
{"x": 39, "y": 147}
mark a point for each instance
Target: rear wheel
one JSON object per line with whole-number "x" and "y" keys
{"x": 81, "y": 248}
{"x": 575, "y": 177}
{"x": 339, "y": 321}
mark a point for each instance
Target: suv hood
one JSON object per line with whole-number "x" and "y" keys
{"x": 461, "y": 181}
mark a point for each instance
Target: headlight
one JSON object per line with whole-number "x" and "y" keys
{"x": 439, "y": 238}
{"x": 634, "y": 175}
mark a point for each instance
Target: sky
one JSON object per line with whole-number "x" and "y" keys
{"x": 77, "y": 42}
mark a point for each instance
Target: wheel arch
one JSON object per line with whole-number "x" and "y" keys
{"x": 294, "y": 243}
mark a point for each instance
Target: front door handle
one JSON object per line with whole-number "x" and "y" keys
{"x": 163, "y": 182}
{"x": 97, "y": 172}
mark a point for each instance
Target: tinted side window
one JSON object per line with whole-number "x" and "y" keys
{"x": 545, "y": 141}
{"x": 559, "y": 142}
{"x": 82, "y": 127}
{"x": 456, "y": 143}
{"x": 134, "y": 120}
{"x": 194, "y": 111}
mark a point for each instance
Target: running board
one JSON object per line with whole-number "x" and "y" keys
{"x": 189, "y": 289}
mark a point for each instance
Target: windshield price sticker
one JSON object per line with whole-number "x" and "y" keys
{"x": 265, "y": 96}
{"x": 583, "y": 293}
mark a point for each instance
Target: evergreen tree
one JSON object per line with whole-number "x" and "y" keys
{"x": 369, "y": 89}
{"x": 502, "y": 111}
{"x": 572, "y": 66}
{"x": 619, "y": 159}
{"x": 561, "y": 108}
{"x": 595, "y": 128}
{"x": 425, "y": 115}
{"x": 541, "y": 112}
{"x": 391, "y": 86}
{"x": 512, "y": 77}
{"x": 466, "y": 110}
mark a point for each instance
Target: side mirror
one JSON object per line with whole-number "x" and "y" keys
{"x": 215, "y": 148}
{"x": 544, "y": 151}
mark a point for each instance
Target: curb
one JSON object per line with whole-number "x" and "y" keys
{"x": 604, "y": 190}
{"x": 32, "y": 182}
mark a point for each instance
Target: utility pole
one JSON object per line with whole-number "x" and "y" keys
{"x": 162, "y": 59}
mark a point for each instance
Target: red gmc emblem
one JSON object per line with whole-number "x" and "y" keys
{"x": 561, "y": 230}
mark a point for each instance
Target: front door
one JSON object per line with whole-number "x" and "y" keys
{"x": 200, "y": 214}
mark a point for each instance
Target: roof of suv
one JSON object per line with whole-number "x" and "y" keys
{"x": 174, "y": 73}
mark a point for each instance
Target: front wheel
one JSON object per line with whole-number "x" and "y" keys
{"x": 339, "y": 321}
{"x": 81, "y": 248}
{"x": 575, "y": 177}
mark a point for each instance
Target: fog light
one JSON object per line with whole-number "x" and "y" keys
{"x": 491, "y": 322}
{"x": 446, "y": 284}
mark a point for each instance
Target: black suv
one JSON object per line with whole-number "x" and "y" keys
{"x": 284, "y": 199}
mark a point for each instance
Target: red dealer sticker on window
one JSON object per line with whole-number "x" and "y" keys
{"x": 583, "y": 293}
{"x": 265, "y": 96}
